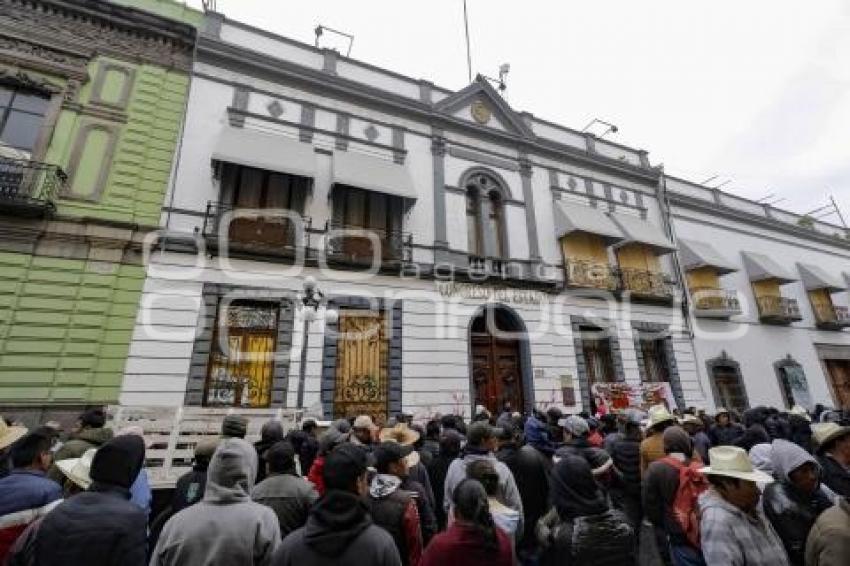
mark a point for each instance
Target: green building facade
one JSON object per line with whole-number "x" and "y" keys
{"x": 92, "y": 99}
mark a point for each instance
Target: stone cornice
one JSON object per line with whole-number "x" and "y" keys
{"x": 61, "y": 31}
{"x": 214, "y": 52}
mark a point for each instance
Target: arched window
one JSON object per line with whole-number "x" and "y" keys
{"x": 496, "y": 224}
{"x": 485, "y": 215}
{"x": 473, "y": 222}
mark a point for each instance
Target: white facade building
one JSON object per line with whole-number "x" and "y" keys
{"x": 298, "y": 162}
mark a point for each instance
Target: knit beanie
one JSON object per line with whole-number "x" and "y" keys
{"x": 93, "y": 418}
{"x": 234, "y": 426}
{"x": 119, "y": 461}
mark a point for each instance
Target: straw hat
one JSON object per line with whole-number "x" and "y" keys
{"x": 403, "y": 435}
{"x": 9, "y": 434}
{"x": 733, "y": 462}
{"x": 659, "y": 414}
{"x": 825, "y": 433}
{"x": 800, "y": 412}
{"x": 690, "y": 419}
{"x": 720, "y": 411}
{"x": 78, "y": 470}
{"x": 364, "y": 422}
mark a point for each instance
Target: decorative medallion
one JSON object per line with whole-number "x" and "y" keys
{"x": 480, "y": 112}
{"x": 572, "y": 183}
{"x": 275, "y": 108}
{"x": 624, "y": 196}
{"x": 371, "y": 132}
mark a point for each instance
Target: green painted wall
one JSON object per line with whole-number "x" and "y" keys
{"x": 141, "y": 151}
{"x": 65, "y": 328}
{"x": 66, "y": 324}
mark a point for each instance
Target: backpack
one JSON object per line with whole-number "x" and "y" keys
{"x": 692, "y": 483}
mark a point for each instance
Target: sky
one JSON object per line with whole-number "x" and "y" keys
{"x": 755, "y": 92}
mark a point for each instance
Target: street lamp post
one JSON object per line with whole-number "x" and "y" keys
{"x": 311, "y": 301}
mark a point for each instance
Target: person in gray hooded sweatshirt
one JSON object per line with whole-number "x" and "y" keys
{"x": 225, "y": 527}
{"x": 794, "y": 502}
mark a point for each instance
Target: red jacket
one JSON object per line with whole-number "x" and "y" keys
{"x": 461, "y": 545}
{"x": 315, "y": 475}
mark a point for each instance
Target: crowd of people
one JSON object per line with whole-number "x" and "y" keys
{"x": 765, "y": 488}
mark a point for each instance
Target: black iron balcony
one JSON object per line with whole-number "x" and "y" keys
{"x": 646, "y": 285}
{"x": 29, "y": 188}
{"x": 831, "y": 317}
{"x": 368, "y": 246}
{"x": 715, "y": 303}
{"x": 590, "y": 275}
{"x": 264, "y": 232}
{"x": 778, "y": 310}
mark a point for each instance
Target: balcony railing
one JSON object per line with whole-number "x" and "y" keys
{"x": 255, "y": 230}
{"x": 29, "y": 187}
{"x": 358, "y": 245}
{"x": 830, "y": 317}
{"x": 590, "y": 275}
{"x": 649, "y": 285}
{"x": 778, "y": 310}
{"x": 715, "y": 303}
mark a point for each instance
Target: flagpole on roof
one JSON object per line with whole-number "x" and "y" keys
{"x": 468, "y": 52}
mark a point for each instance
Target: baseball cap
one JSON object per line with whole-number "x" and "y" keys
{"x": 478, "y": 432}
{"x": 389, "y": 451}
{"x": 575, "y": 425}
{"x": 343, "y": 465}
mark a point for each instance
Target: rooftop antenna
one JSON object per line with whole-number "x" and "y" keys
{"x": 500, "y": 83}
{"x": 468, "y": 51}
{"x": 827, "y": 210}
{"x": 209, "y": 5}
{"x": 768, "y": 196}
{"x": 321, "y": 29}
{"x": 710, "y": 179}
{"x": 610, "y": 128}
{"x": 726, "y": 182}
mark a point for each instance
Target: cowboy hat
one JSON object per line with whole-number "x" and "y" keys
{"x": 800, "y": 412}
{"x": 364, "y": 422}
{"x": 690, "y": 419}
{"x": 9, "y": 434}
{"x": 659, "y": 414}
{"x": 720, "y": 411}
{"x": 78, "y": 470}
{"x": 403, "y": 435}
{"x": 733, "y": 462}
{"x": 825, "y": 433}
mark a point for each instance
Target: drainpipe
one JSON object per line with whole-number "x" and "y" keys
{"x": 667, "y": 220}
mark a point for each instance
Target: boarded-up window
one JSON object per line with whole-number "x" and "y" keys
{"x": 242, "y": 356}
{"x": 362, "y": 363}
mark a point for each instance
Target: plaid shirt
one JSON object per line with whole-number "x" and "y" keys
{"x": 730, "y": 537}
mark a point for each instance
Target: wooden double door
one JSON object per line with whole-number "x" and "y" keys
{"x": 839, "y": 377}
{"x": 496, "y": 373}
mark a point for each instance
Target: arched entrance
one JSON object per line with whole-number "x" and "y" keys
{"x": 500, "y": 360}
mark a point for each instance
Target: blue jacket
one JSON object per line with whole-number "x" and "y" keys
{"x": 140, "y": 492}
{"x": 26, "y": 489}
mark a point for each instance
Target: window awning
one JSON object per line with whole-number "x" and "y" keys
{"x": 761, "y": 268}
{"x": 372, "y": 174}
{"x": 639, "y": 231}
{"x": 272, "y": 152}
{"x": 574, "y": 218}
{"x": 695, "y": 255}
{"x": 814, "y": 278}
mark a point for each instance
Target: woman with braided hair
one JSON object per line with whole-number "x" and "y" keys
{"x": 472, "y": 538}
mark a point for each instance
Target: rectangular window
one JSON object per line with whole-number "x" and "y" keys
{"x": 21, "y": 116}
{"x": 357, "y": 209}
{"x": 242, "y": 355}
{"x": 793, "y": 384}
{"x": 362, "y": 365}
{"x": 654, "y": 359}
{"x": 249, "y": 188}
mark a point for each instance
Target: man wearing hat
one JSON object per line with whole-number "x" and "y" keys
{"x": 392, "y": 507}
{"x": 26, "y": 494}
{"x": 8, "y": 435}
{"x": 724, "y": 432}
{"x": 652, "y": 447}
{"x": 90, "y": 432}
{"x": 576, "y": 443}
{"x": 832, "y": 447}
{"x": 733, "y": 531}
{"x": 363, "y": 432}
{"x": 190, "y": 486}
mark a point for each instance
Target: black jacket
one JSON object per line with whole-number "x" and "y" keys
{"x": 792, "y": 515}
{"x": 437, "y": 470}
{"x": 99, "y": 526}
{"x": 189, "y": 489}
{"x": 725, "y": 435}
{"x": 604, "y": 539}
{"x": 531, "y": 469}
{"x": 834, "y": 476}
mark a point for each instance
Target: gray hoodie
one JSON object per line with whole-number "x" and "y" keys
{"x": 226, "y": 527}
{"x": 787, "y": 457}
